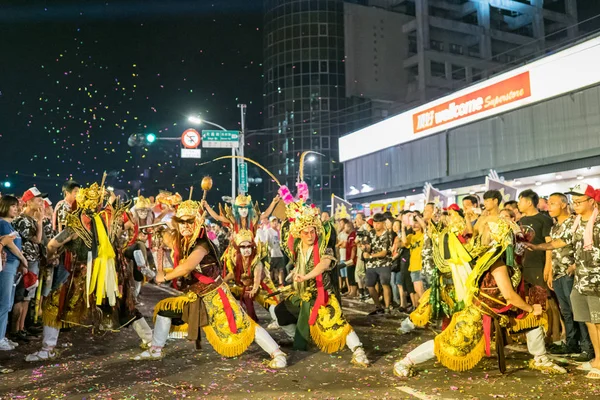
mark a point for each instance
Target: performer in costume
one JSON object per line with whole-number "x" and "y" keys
{"x": 245, "y": 263}
{"x": 207, "y": 302}
{"x": 448, "y": 277}
{"x": 86, "y": 287}
{"x": 243, "y": 214}
{"x": 492, "y": 301}
{"x": 312, "y": 311}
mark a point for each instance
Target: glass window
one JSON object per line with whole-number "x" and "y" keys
{"x": 322, "y": 29}
{"x": 324, "y": 67}
{"x": 459, "y": 72}
{"x": 324, "y": 104}
{"x": 456, "y": 48}
{"x": 325, "y": 142}
{"x": 270, "y": 39}
{"x": 438, "y": 69}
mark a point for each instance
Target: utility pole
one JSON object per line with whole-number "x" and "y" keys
{"x": 242, "y": 108}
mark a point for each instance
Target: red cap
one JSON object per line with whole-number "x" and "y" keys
{"x": 31, "y": 193}
{"x": 453, "y": 207}
{"x": 370, "y": 221}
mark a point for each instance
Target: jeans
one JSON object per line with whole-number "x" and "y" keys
{"x": 395, "y": 291}
{"x": 7, "y": 293}
{"x": 577, "y": 333}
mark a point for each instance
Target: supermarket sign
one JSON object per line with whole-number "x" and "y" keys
{"x": 500, "y": 93}
{"x": 563, "y": 72}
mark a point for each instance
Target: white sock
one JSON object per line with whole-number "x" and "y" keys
{"x": 535, "y": 342}
{"x": 264, "y": 340}
{"x": 161, "y": 331}
{"x": 352, "y": 341}
{"x": 421, "y": 354}
{"x": 143, "y": 330}
{"x": 50, "y": 338}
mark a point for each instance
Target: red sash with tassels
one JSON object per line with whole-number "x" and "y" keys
{"x": 209, "y": 281}
{"x": 322, "y": 296}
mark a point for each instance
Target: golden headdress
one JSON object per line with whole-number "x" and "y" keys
{"x": 188, "y": 208}
{"x": 169, "y": 199}
{"x": 89, "y": 198}
{"x": 301, "y": 216}
{"x": 142, "y": 202}
{"x": 242, "y": 236}
{"x": 243, "y": 201}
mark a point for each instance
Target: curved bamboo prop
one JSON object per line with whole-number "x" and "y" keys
{"x": 253, "y": 162}
{"x": 302, "y": 157}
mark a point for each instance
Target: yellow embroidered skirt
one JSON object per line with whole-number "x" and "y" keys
{"x": 216, "y": 326}
{"x": 72, "y": 293}
{"x": 331, "y": 328}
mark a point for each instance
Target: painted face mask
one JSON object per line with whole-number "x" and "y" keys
{"x": 246, "y": 250}
{"x": 142, "y": 213}
{"x": 243, "y": 212}
{"x": 186, "y": 228}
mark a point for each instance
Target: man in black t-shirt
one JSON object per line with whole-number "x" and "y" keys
{"x": 535, "y": 263}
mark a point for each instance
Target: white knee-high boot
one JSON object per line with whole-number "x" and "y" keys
{"x": 290, "y": 330}
{"x": 273, "y": 324}
{"x": 49, "y": 341}
{"x": 138, "y": 287}
{"x": 162, "y": 326}
{"x": 159, "y": 338}
{"x": 537, "y": 347}
{"x": 358, "y": 353}
{"x": 424, "y": 352}
{"x": 266, "y": 342}
{"x": 50, "y": 338}
{"x": 143, "y": 330}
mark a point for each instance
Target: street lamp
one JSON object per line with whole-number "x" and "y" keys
{"x": 199, "y": 121}
{"x": 311, "y": 159}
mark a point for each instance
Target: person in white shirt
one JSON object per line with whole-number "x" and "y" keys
{"x": 277, "y": 260}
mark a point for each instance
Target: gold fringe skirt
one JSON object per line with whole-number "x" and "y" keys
{"x": 217, "y": 331}
{"x": 74, "y": 308}
{"x": 331, "y": 328}
{"x": 462, "y": 344}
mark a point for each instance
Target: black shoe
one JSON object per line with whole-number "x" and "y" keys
{"x": 584, "y": 356}
{"x": 31, "y": 333}
{"x": 20, "y": 337}
{"x": 379, "y": 311}
{"x": 35, "y": 330}
{"x": 561, "y": 349}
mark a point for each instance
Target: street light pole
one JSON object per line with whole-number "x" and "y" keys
{"x": 242, "y": 108}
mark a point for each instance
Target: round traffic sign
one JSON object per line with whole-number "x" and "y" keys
{"x": 190, "y": 139}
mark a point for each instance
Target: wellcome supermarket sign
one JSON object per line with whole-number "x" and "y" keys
{"x": 487, "y": 98}
{"x": 566, "y": 71}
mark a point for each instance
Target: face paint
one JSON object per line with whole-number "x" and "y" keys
{"x": 246, "y": 251}
{"x": 186, "y": 228}
{"x": 243, "y": 212}
{"x": 142, "y": 213}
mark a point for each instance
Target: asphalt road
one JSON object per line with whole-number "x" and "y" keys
{"x": 99, "y": 367}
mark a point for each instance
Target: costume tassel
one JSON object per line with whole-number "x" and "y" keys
{"x": 529, "y": 322}
{"x": 237, "y": 343}
{"x": 329, "y": 344}
{"x": 174, "y": 304}
{"x": 456, "y": 362}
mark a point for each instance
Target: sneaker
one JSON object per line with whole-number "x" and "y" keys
{"x": 5, "y": 346}
{"x": 273, "y": 325}
{"x": 13, "y": 344}
{"x": 30, "y": 333}
{"x": 584, "y": 356}
{"x": 378, "y": 311}
{"x": 561, "y": 349}
{"x": 369, "y": 301}
{"x": 387, "y": 311}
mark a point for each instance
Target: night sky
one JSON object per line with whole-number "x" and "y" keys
{"x": 77, "y": 79}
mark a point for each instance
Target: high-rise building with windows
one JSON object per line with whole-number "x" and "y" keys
{"x": 304, "y": 87}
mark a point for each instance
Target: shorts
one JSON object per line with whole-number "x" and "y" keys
{"x": 415, "y": 276}
{"x": 397, "y": 278}
{"x": 382, "y": 275}
{"x": 343, "y": 270}
{"x": 277, "y": 263}
{"x": 585, "y": 308}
